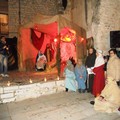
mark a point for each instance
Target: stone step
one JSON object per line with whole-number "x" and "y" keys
{"x": 33, "y": 90}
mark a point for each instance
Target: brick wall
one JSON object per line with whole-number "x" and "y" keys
{"x": 13, "y": 14}
{"x": 26, "y": 10}
{"x": 102, "y": 17}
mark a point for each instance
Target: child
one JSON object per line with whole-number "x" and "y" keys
{"x": 80, "y": 72}
{"x": 70, "y": 82}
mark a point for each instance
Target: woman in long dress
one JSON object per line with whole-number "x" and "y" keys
{"x": 109, "y": 99}
{"x": 70, "y": 82}
{"x": 99, "y": 78}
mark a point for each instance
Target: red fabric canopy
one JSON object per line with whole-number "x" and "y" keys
{"x": 51, "y": 29}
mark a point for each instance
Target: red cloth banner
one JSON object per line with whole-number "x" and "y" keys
{"x": 37, "y": 41}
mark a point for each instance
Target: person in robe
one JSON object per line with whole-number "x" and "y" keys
{"x": 70, "y": 82}
{"x": 113, "y": 66}
{"x": 109, "y": 99}
{"x": 89, "y": 63}
{"x": 81, "y": 75}
{"x": 40, "y": 61}
{"x": 99, "y": 78}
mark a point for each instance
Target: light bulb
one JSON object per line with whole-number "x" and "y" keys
{"x": 8, "y": 83}
{"x": 45, "y": 79}
{"x": 31, "y": 81}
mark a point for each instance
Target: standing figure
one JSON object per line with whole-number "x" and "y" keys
{"x": 113, "y": 66}
{"x": 89, "y": 63}
{"x": 99, "y": 78}
{"x": 3, "y": 57}
{"x": 70, "y": 82}
{"x": 80, "y": 73}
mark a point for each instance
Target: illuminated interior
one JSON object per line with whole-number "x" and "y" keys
{"x": 3, "y": 24}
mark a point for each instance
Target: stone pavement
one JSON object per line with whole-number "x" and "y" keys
{"x": 60, "y": 106}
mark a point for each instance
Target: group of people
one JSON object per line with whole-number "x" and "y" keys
{"x": 109, "y": 98}
{"x": 4, "y": 51}
{"x": 86, "y": 74}
{"x": 97, "y": 75}
{"x": 75, "y": 74}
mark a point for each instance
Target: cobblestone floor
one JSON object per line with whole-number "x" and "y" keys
{"x": 60, "y": 106}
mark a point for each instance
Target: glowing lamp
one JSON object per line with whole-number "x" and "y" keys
{"x": 30, "y": 81}
{"x": 45, "y": 79}
{"x": 55, "y": 40}
{"x": 8, "y": 83}
{"x": 58, "y": 78}
{"x": 82, "y": 39}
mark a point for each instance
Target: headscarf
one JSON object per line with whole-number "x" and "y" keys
{"x": 99, "y": 60}
{"x": 69, "y": 65}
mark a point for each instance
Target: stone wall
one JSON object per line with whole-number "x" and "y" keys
{"x": 105, "y": 18}
{"x": 75, "y": 12}
{"x": 13, "y": 14}
{"x": 97, "y": 17}
{"x": 22, "y": 11}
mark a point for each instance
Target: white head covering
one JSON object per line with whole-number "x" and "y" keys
{"x": 99, "y": 60}
{"x": 99, "y": 51}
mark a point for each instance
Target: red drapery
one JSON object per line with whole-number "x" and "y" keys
{"x": 37, "y": 41}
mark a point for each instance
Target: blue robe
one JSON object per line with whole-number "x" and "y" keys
{"x": 81, "y": 71}
{"x": 70, "y": 81}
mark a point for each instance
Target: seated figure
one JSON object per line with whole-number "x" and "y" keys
{"x": 109, "y": 99}
{"x": 40, "y": 62}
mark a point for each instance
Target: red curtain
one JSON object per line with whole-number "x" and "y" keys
{"x": 50, "y": 29}
{"x": 37, "y": 41}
